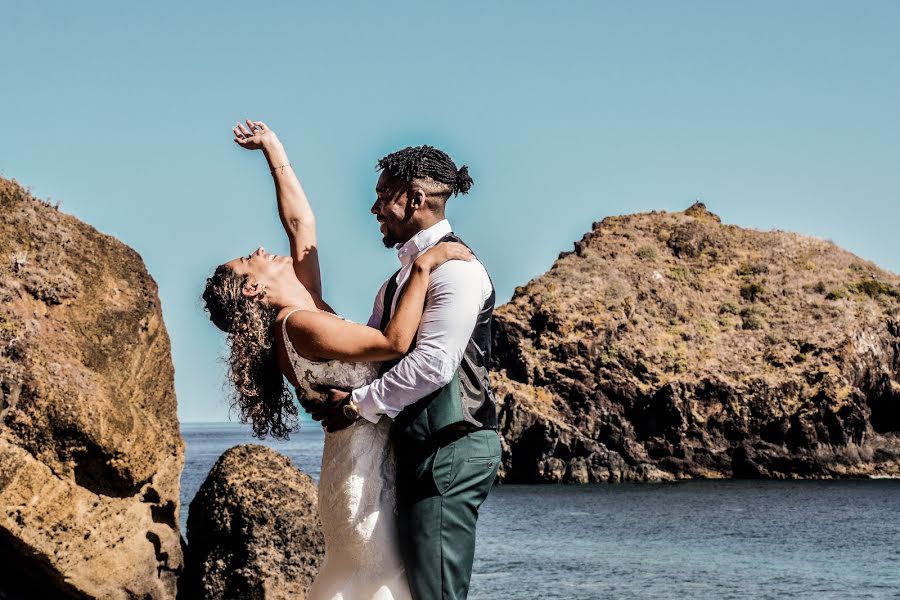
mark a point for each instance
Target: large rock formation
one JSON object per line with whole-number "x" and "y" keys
{"x": 253, "y": 530}
{"x": 90, "y": 451}
{"x": 668, "y": 345}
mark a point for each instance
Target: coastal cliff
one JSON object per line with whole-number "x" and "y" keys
{"x": 670, "y": 346}
{"x": 90, "y": 450}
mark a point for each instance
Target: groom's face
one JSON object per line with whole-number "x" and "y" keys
{"x": 391, "y": 209}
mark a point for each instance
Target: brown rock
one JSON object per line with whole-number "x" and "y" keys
{"x": 253, "y": 529}
{"x": 90, "y": 450}
{"x": 671, "y": 346}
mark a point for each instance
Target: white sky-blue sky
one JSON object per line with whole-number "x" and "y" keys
{"x": 776, "y": 114}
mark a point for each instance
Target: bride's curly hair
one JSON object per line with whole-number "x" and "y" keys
{"x": 259, "y": 392}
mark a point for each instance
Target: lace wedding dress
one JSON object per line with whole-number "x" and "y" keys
{"x": 357, "y": 497}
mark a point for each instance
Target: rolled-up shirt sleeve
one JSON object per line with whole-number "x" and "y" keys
{"x": 456, "y": 294}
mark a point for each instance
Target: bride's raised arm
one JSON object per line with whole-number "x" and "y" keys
{"x": 293, "y": 207}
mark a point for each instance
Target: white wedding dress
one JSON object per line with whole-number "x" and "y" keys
{"x": 357, "y": 494}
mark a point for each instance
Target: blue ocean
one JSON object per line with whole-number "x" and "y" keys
{"x": 695, "y": 539}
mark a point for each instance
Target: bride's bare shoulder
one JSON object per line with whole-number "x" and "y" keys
{"x": 298, "y": 318}
{"x": 301, "y": 325}
{"x": 303, "y": 322}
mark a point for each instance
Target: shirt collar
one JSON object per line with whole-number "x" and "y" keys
{"x": 422, "y": 241}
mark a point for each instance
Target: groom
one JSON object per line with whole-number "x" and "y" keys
{"x": 438, "y": 395}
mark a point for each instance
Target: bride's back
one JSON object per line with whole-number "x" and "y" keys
{"x": 304, "y": 373}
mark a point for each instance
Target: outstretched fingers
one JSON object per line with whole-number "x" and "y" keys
{"x": 249, "y": 135}
{"x": 255, "y": 126}
{"x": 244, "y": 130}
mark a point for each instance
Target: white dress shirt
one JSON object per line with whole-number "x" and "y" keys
{"x": 457, "y": 291}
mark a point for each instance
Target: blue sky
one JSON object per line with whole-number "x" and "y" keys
{"x": 778, "y": 115}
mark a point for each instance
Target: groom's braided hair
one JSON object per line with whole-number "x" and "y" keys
{"x": 416, "y": 162}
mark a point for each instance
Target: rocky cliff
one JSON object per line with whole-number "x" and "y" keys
{"x": 669, "y": 345}
{"x": 90, "y": 451}
{"x": 253, "y": 530}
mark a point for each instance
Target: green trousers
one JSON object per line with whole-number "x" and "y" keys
{"x": 439, "y": 492}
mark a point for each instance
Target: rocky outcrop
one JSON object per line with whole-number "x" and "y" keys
{"x": 669, "y": 345}
{"x": 253, "y": 529}
{"x": 90, "y": 450}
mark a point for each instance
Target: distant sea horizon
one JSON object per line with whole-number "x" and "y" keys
{"x": 716, "y": 539}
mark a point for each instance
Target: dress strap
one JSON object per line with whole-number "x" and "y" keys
{"x": 292, "y": 352}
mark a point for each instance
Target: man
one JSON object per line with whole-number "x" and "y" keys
{"x": 445, "y": 421}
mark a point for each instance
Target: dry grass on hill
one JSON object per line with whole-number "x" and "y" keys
{"x": 676, "y": 333}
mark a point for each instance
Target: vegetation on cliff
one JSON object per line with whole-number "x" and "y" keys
{"x": 669, "y": 345}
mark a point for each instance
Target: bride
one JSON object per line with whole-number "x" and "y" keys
{"x": 279, "y": 326}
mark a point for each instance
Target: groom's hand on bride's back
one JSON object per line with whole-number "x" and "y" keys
{"x": 320, "y": 406}
{"x": 329, "y": 409}
{"x": 337, "y": 420}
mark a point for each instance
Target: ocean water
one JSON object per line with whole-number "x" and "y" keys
{"x": 697, "y": 539}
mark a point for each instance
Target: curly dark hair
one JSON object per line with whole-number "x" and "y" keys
{"x": 259, "y": 392}
{"x": 415, "y": 162}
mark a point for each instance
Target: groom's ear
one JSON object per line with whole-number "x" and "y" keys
{"x": 416, "y": 197}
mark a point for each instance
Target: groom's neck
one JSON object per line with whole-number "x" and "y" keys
{"x": 422, "y": 224}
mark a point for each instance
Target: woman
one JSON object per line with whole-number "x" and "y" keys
{"x": 279, "y": 326}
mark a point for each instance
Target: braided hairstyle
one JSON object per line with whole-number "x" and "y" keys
{"x": 259, "y": 392}
{"x": 417, "y": 162}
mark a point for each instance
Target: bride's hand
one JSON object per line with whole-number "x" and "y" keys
{"x": 255, "y": 136}
{"x": 438, "y": 254}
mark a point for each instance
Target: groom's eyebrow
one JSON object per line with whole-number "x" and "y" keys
{"x": 391, "y": 192}
{"x": 388, "y": 189}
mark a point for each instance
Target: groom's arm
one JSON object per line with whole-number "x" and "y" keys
{"x": 456, "y": 295}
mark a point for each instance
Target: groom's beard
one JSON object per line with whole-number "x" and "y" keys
{"x": 389, "y": 239}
